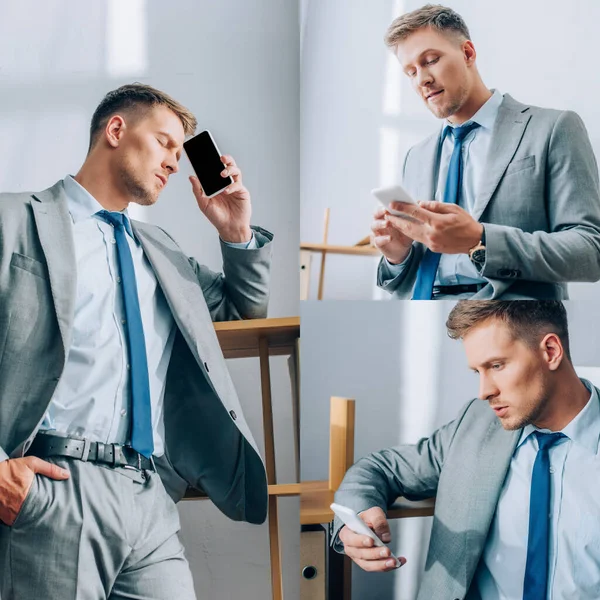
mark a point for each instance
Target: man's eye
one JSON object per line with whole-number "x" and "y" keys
{"x": 496, "y": 366}
{"x": 432, "y": 62}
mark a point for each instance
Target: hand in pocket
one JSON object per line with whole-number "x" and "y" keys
{"x": 16, "y": 478}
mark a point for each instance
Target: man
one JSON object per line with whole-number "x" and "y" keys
{"x": 515, "y": 477}
{"x": 110, "y": 369}
{"x": 510, "y": 200}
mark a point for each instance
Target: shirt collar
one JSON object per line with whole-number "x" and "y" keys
{"x": 584, "y": 429}
{"x": 82, "y": 205}
{"x": 485, "y": 116}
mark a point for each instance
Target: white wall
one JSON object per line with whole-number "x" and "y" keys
{"x": 360, "y": 116}
{"x": 408, "y": 378}
{"x": 235, "y": 64}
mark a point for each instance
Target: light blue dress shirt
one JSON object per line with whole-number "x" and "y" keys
{"x": 457, "y": 269}
{"x": 574, "y": 548}
{"x": 92, "y": 399}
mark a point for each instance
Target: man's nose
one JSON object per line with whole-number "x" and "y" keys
{"x": 424, "y": 77}
{"x": 172, "y": 164}
{"x": 487, "y": 388}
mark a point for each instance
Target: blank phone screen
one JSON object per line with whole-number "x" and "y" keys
{"x": 207, "y": 164}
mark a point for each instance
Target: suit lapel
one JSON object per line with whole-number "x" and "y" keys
{"x": 55, "y": 233}
{"x": 493, "y": 462}
{"x": 184, "y": 296}
{"x": 507, "y": 134}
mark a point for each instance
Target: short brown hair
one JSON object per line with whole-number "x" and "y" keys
{"x": 139, "y": 97}
{"x": 439, "y": 17}
{"x": 529, "y": 320}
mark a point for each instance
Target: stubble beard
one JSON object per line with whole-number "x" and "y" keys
{"x": 529, "y": 413}
{"x": 140, "y": 194}
{"x": 443, "y": 112}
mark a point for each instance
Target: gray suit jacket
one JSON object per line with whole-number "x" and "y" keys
{"x": 463, "y": 464}
{"x": 208, "y": 443}
{"x": 539, "y": 202}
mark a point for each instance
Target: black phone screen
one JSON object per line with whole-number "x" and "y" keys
{"x": 206, "y": 160}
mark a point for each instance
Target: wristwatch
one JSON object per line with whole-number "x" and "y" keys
{"x": 477, "y": 252}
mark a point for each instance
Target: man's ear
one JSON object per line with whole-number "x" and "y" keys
{"x": 552, "y": 351}
{"x": 114, "y": 130}
{"x": 469, "y": 52}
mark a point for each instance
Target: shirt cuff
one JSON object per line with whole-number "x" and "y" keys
{"x": 390, "y": 271}
{"x": 249, "y": 245}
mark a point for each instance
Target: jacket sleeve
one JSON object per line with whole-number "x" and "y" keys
{"x": 412, "y": 471}
{"x": 242, "y": 290}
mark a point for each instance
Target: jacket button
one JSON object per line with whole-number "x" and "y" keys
{"x": 233, "y": 415}
{"x": 504, "y": 273}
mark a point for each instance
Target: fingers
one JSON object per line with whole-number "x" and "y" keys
{"x": 42, "y": 467}
{"x": 441, "y": 208}
{"x": 196, "y": 186}
{"x": 231, "y": 168}
{"x": 408, "y": 228}
{"x": 228, "y": 161}
{"x": 414, "y": 211}
{"x": 378, "y": 522}
{"x": 376, "y": 553}
{"x": 233, "y": 188}
{"x": 380, "y": 212}
{"x": 382, "y": 565}
{"x": 351, "y": 538}
{"x": 233, "y": 172}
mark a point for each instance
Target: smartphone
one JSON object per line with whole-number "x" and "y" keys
{"x": 356, "y": 524}
{"x": 206, "y": 160}
{"x": 393, "y": 193}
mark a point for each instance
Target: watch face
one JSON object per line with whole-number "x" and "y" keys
{"x": 478, "y": 256}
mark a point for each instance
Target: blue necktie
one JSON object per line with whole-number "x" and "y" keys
{"x": 141, "y": 428}
{"x": 535, "y": 586}
{"x": 430, "y": 261}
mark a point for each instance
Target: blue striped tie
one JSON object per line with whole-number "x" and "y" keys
{"x": 535, "y": 586}
{"x": 430, "y": 261}
{"x": 141, "y": 427}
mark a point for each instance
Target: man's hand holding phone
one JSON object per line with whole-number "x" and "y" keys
{"x": 389, "y": 240}
{"x": 230, "y": 210}
{"x": 362, "y": 549}
{"x": 444, "y": 228}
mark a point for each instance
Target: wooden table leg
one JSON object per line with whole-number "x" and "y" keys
{"x": 294, "y": 368}
{"x": 323, "y": 255}
{"x": 267, "y": 406}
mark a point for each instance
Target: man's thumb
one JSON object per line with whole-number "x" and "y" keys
{"x": 380, "y": 525}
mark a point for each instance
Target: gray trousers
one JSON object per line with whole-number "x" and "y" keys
{"x": 102, "y": 534}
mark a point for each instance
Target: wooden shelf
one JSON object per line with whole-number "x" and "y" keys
{"x": 316, "y": 498}
{"x": 333, "y": 249}
{"x": 278, "y": 489}
{"x": 240, "y": 339}
{"x": 285, "y": 489}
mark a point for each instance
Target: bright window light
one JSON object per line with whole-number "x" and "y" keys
{"x": 126, "y": 38}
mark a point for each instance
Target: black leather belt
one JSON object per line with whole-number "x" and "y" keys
{"x": 451, "y": 290}
{"x": 114, "y": 455}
